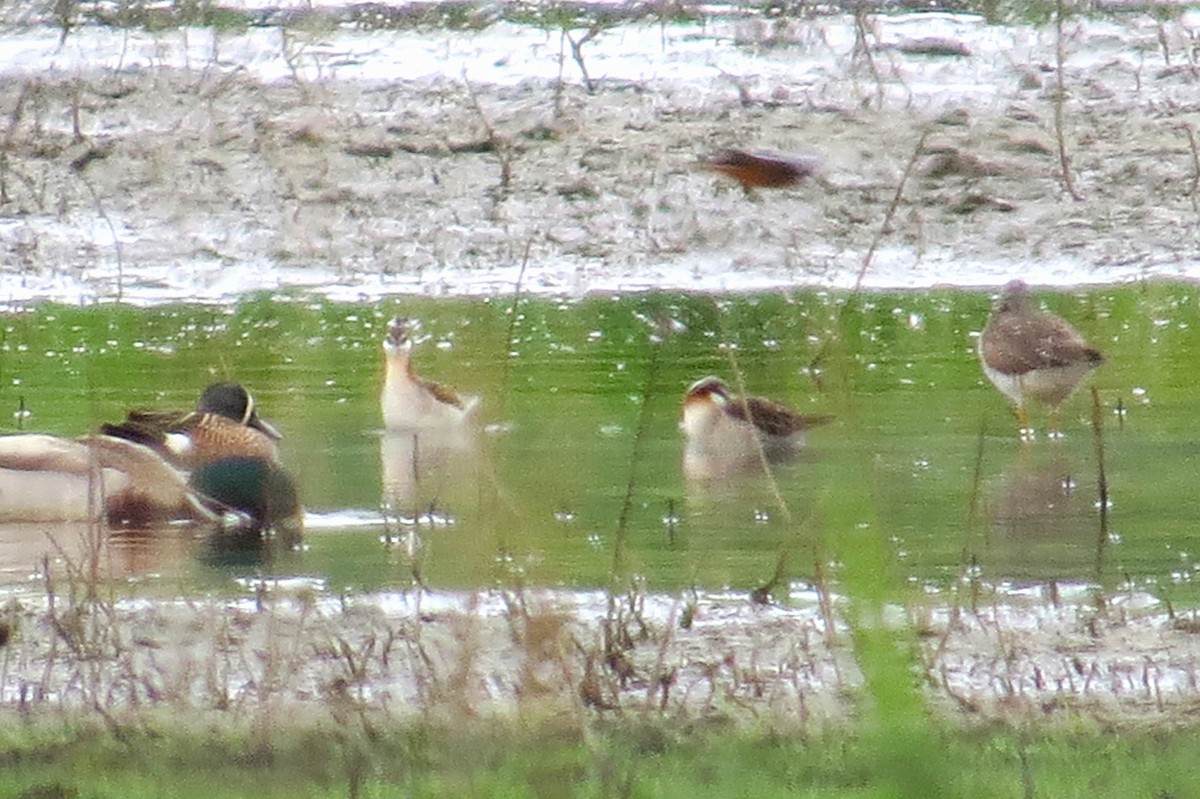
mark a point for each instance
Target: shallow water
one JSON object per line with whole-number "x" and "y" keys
{"x": 536, "y": 495}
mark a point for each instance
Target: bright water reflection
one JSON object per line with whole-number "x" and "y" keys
{"x": 578, "y": 430}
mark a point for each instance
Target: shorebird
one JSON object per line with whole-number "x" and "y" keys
{"x": 760, "y": 169}
{"x": 715, "y": 420}
{"x": 408, "y": 401}
{"x": 1032, "y": 355}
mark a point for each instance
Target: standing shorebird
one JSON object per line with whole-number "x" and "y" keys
{"x": 719, "y": 423}
{"x": 409, "y": 401}
{"x": 1032, "y": 355}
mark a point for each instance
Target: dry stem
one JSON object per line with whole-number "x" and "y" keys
{"x": 1060, "y": 98}
{"x": 891, "y": 210}
{"x": 862, "y": 46}
{"x": 498, "y": 143}
{"x": 577, "y": 51}
{"x": 1190, "y": 131}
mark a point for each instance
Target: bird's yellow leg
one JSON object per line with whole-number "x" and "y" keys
{"x": 1024, "y": 431}
{"x": 1056, "y": 424}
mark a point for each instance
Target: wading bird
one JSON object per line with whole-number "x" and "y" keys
{"x": 1032, "y": 355}
{"x": 408, "y": 401}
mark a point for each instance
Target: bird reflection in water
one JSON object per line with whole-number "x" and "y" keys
{"x": 66, "y": 550}
{"x": 90, "y": 549}
{"x": 1045, "y": 523}
{"x": 425, "y": 469}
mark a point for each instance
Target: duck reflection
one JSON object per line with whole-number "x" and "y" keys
{"x": 163, "y": 550}
{"x": 73, "y": 548}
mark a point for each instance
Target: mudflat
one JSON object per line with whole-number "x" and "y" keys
{"x": 198, "y": 162}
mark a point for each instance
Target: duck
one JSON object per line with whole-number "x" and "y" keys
{"x": 754, "y": 169}
{"x": 408, "y": 401}
{"x": 228, "y": 451}
{"x": 1031, "y": 355}
{"x": 225, "y": 422}
{"x": 717, "y": 421}
{"x": 46, "y": 478}
{"x": 263, "y": 494}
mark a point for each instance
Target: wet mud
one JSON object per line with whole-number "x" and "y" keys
{"x": 1013, "y": 655}
{"x": 190, "y": 178}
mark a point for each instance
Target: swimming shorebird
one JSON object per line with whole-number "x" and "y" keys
{"x": 1032, "y": 355}
{"x": 408, "y": 401}
{"x": 760, "y": 169}
{"x": 715, "y": 420}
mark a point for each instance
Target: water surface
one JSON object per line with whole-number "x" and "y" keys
{"x": 578, "y": 430}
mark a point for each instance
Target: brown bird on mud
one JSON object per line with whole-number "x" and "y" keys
{"x": 408, "y": 401}
{"x": 717, "y": 420}
{"x": 761, "y": 169}
{"x": 1032, "y": 355}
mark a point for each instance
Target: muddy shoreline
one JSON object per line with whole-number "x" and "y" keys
{"x": 152, "y": 182}
{"x": 400, "y": 654}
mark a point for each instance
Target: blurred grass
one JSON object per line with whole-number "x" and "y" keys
{"x": 620, "y": 758}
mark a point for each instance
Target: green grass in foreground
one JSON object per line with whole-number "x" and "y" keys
{"x": 624, "y": 758}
